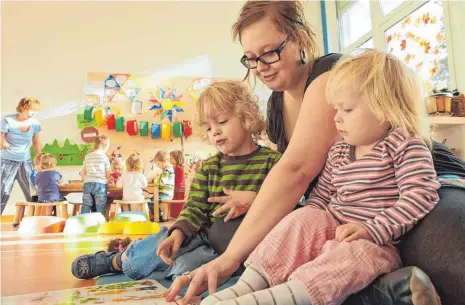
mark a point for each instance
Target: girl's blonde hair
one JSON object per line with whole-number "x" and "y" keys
{"x": 287, "y": 16}
{"x": 178, "y": 156}
{"x": 100, "y": 142}
{"x": 47, "y": 161}
{"x": 230, "y": 97}
{"x": 161, "y": 156}
{"x": 115, "y": 162}
{"x": 134, "y": 163}
{"x": 393, "y": 93}
{"x": 28, "y": 103}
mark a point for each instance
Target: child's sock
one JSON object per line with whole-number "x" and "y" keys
{"x": 292, "y": 292}
{"x": 251, "y": 280}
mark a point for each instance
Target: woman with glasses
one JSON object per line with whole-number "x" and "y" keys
{"x": 279, "y": 49}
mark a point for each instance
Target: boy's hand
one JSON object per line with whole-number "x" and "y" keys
{"x": 352, "y": 231}
{"x": 237, "y": 202}
{"x": 170, "y": 246}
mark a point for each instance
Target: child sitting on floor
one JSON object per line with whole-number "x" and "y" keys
{"x": 378, "y": 182}
{"x": 230, "y": 118}
{"x": 47, "y": 181}
{"x": 133, "y": 181}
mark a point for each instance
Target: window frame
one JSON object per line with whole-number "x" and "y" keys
{"x": 381, "y": 23}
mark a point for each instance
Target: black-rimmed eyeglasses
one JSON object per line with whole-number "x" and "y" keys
{"x": 267, "y": 58}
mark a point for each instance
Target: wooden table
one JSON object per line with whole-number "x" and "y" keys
{"x": 152, "y": 188}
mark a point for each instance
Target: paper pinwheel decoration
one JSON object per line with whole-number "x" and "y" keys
{"x": 166, "y": 103}
{"x": 197, "y": 86}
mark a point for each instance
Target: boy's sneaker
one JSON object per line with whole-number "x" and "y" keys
{"x": 89, "y": 266}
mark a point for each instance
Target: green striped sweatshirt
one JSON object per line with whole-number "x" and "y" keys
{"x": 241, "y": 173}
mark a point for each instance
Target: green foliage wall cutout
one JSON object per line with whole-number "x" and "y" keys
{"x": 68, "y": 154}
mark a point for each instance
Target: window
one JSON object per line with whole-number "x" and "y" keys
{"x": 388, "y": 6}
{"x": 415, "y": 31}
{"x": 353, "y": 21}
{"x": 419, "y": 39}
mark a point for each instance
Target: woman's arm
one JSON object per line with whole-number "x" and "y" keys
{"x": 36, "y": 143}
{"x": 313, "y": 136}
{"x": 303, "y": 160}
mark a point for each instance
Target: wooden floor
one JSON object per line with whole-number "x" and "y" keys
{"x": 42, "y": 262}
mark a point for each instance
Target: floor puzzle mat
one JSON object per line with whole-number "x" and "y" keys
{"x": 141, "y": 292}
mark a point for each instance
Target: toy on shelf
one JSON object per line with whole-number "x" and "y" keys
{"x": 156, "y": 131}
{"x": 187, "y": 128}
{"x": 111, "y": 122}
{"x": 89, "y": 113}
{"x": 99, "y": 117}
{"x": 120, "y": 124}
{"x": 177, "y": 129}
{"x": 131, "y": 127}
{"x": 144, "y": 128}
{"x": 166, "y": 131}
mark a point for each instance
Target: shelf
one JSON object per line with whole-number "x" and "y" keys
{"x": 446, "y": 120}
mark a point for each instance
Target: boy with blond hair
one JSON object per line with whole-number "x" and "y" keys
{"x": 229, "y": 117}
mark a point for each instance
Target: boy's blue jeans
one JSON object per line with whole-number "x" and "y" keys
{"x": 142, "y": 260}
{"x": 94, "y": 193}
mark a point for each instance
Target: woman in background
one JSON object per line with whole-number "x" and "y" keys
{"x": 18, "y": 131}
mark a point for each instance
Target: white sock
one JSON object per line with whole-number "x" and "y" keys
{"x": 250, "y": 281}
{"x": 290, "y": 293}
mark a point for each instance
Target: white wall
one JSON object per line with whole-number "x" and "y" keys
{"x": 48, "y": 47}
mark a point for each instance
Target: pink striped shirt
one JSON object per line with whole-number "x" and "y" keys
{"x": 388, "y": 190}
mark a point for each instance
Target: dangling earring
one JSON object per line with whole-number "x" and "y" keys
{"x": 303, "y": 57}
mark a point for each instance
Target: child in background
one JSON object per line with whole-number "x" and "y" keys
{"x": 229, "y": 117}
{"x": 47, "y": 181}
{"x": 33, "y": 176}
{"x": 177, "y": 160}
{"x": 95, "y": 173}
{"x": 132, "y": 180}
{"x": 117, "y": 167}
{"x": 165, "y": 180}
{"x": 378, "y": 182}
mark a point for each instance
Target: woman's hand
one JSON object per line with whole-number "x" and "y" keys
{"x": 4, "y": 144}
{"x": 208, "y": 276}
{"x": 170, "y": 246}
{"x": 236, "y": 202}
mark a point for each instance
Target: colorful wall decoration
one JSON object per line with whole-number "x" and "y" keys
{"x": 68, "y": 154}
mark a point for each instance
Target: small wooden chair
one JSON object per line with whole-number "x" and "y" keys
{"x": 165, "y": 205}
{"x": 139, "y": 205}
{"x": 30, "y": 209}
{"x": 74, "y": 199}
